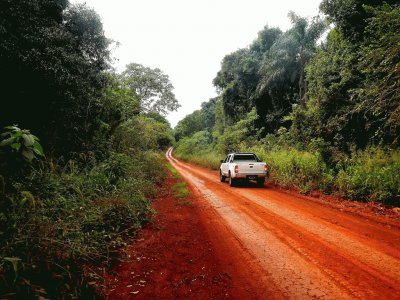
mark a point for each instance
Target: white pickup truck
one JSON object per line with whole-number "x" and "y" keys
{"x": 243, "y": 166}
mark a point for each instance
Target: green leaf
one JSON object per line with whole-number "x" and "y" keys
{"x": 24, "y": 200}
{"x": 15, "y": 128}
{"x": 28, "y": 140}
{"x": 38, "y": 149}
{"x": 16, "y": 146}
{"x": 7, "y": 142}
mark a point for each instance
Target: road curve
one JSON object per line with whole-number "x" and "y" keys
{"x": 305, "y": 248}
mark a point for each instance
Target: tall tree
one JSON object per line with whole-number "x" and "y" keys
{"x": 239, "y": 76}
{"x": 151, "y": 87}
{"x": 291, "y": 52}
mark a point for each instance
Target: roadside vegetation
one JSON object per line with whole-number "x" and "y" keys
{"x": 180, "y": 188}
{"x": 324, "y": 116}
{"x": 80, "y": 149}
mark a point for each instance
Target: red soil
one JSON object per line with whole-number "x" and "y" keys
{"x": 184, "y": 253}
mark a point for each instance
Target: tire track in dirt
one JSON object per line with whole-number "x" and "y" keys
{"x": 337, "y": 263}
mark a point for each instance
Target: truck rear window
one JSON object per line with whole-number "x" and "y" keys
{"x": 245, "y": 157}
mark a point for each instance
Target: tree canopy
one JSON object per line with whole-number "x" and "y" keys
{"x": 151, "y": 87}
{"x": 52, "y": 63}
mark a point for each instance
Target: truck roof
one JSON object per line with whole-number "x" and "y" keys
{"x": 242, "y": 153}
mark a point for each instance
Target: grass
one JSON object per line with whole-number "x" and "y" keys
{"x": 210, "y": 160}
{"x": 180, "y": 189}
{"x": 173, "y": 170}
{"x": 293, "y": 168}
{"x": 371, "y": 175}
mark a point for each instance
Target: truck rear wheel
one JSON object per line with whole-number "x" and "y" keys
{"x": 221, "y": 177}
{"x": 232, "y": 181}
{"x": 260, "y": 182}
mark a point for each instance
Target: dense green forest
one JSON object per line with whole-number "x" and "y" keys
{"x": 80, "y": 149}
{"x": 320, "y": 103}
{"x": 81, "y": 144}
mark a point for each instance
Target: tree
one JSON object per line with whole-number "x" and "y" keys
{"x": 379, "y": 94}
{"x": 152, "y": 87}
{"x": 291, "y": 52}
{"x": 239, "y": 76}
{"x": 349, "y": 16}
{"x": 354, "y": 85}
{"x": 52, "y": 62}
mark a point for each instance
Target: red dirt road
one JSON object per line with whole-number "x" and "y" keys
{"x": 262, "y": 243}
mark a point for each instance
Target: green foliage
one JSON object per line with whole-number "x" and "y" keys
{"x": 371, "y": 175}
{"x": 331, "y": 75}
{"x": 201, "y": 141}
{"x": 199, "y": 120}
{"x": 289, "y": 55}
{"x": 294, "y": 168}
{"x": 198, "y": 149}
{"x": 378, "y": 96}
{"x": 61, "y": 218}
{"x": 75, "y": 208}
{"x": 235, "y": 137}
{"x": 350, "y": 16}
{"x": 143, "y": 133}
{"x": 209, "y": 160}
{"x": 53, "y": 57}
{"x": 353, "y": 86}
{"x": 18, "y": 150}
{"x": 152, "y": 87}
{"x": 20, "y": 142}
{"x": 269, "y": 75}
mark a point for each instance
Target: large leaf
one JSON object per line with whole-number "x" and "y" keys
{"x": 16, "y": 146}
{"x": 28, "y": 140}
{"x": 7, "y": 142}
{"x": 38, "y": 149}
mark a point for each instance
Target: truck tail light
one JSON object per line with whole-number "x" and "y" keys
{"x": 265, "y": 168}
{"x": 236, "y": 169}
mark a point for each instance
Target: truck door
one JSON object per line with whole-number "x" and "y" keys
{"x": 225, "y": 165}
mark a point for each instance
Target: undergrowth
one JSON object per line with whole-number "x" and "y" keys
{"x": 57, "y": 220}
{"x": 371, "y": 175}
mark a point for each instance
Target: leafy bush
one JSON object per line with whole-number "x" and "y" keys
{"x": 371, "y": 175}
{"x": 18, "y": 149}
{"x": 294, "y": 168}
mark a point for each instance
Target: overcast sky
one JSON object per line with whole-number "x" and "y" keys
{"x": 187, "y": 39}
